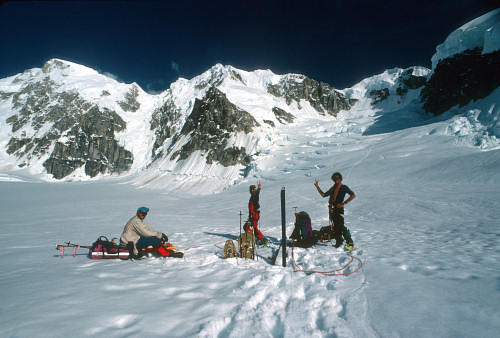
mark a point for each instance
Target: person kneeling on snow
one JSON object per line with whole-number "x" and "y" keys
{"x": 302, "y": 234}
{"x": 138, "y": 235}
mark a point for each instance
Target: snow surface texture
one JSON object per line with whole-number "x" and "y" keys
{"x": 425, "y": 221}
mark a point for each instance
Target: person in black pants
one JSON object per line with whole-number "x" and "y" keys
{"x": 336, "y": 205}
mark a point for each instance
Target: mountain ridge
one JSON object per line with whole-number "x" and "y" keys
{"x": 67, "y": 122}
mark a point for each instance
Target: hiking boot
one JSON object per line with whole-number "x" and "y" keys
{"x": 177, "y": 254}
{"x": 338, "y": 244}
{"x": 262, "y": 242}
{"x": 163, "y": 252}
{"x": 349, "y": 246}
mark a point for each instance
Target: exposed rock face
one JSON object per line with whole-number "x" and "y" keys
{"x": 379, "y": 95}
{"x": 321, "y": 96}
{"x": 408, "y": 81}
{"x": 403, "y": 82}
{"x": 460, "y": 79}
{"x": 130, "y": 103}
{"x": 90, "y": 143}
{"x": 165, "y": 122}
{"x": 283, "y": 116}
{"x": 210, "y": 125}
{"x": 68, "y": 130}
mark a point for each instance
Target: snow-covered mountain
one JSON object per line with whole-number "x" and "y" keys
{"x": 68, "y": 122}
{"x": 73, "y": 123}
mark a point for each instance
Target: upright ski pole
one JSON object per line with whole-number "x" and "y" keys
{"x": 239, "y": 239}
{"x": 283, "y": 227}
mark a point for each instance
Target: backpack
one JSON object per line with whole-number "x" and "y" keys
{"x": 303, "y": 229}
{"x": 302, "y": 233}
{"x": 246, "y": 244}
{"x": 102, "y": 248}
{"x": 325, "y": 234}
{"x": 229, "y": 249}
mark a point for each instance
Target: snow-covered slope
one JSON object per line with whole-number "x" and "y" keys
{"x": 483, "y": 32}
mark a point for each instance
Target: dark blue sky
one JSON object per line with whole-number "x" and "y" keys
{"x": 339, "y": 42}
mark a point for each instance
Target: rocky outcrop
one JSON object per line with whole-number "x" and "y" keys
{"x": 379, "y": 95}
{"x": 409, "y": 81}
{"x": 322, "y": 97}
{"x": 165, "y": 122}
{"x": 130, "y": 102}
{"x": 399, "y": 83}
{"x": 458, "y": 80}
{"x": 90, "y": 143}
{"x": 68, "y": 130}
{"x": 283, "y": 116}
{"x": 210, "y": 125}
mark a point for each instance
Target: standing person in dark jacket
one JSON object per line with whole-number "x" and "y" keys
{"x": 336, "y": 205}
{"x": 254, "y": 212}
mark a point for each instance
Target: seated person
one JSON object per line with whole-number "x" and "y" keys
{"x": 138, "y": 235}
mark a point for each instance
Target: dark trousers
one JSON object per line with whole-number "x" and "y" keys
{"x": 144, "y": 242}
{"x": 339, "y": 229}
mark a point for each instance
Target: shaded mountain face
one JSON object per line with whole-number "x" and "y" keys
{"x": 461, "y": 79}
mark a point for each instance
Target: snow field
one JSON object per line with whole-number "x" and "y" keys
{"x": 424, "y": 221}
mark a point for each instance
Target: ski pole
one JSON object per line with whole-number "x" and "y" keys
{"x": 239, "y": 239}
{"x": 283, "y": 227}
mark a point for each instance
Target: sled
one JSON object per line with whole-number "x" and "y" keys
{"x": 105, "y": 249}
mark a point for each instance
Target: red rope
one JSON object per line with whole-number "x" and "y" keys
{"x": 329, "y": 273}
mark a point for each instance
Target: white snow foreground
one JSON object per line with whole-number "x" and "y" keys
{"x": 425, "y": 221}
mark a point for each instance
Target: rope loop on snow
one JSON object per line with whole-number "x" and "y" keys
{"x": 329, "y": 273}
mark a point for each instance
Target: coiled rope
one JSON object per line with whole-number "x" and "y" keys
{"x": 329, "y": 273}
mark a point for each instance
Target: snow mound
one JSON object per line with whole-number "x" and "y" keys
{"x": 479, "y": 124}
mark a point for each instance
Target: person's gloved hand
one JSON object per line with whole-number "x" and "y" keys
{"x": 164, "y": 238}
